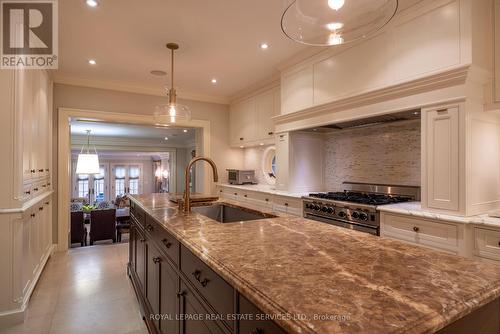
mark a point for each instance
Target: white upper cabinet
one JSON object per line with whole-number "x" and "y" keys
{"x": 297, "y": 90}
{"x": 251, "y": 120}
{"x": 30, "y": 135}
{"x": 417, "y": 44}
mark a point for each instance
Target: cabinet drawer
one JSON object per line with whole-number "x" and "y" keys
{"x": 287, "y": 205}
{"x": 430, "y": 233}
{"x": 228, "y": 193}
{"x": 169, "y": 244}
{"x": 257, "y": 323}
{"x": 487, "y": 243}
{"x": 217, "y": 292}
{"x": 259, "y": 198}
{"x": 138, "y": 214}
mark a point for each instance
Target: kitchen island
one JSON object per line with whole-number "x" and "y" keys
{"x": 306, "y": 276}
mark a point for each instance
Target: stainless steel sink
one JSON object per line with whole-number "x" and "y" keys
{"x": 224, "y": 213}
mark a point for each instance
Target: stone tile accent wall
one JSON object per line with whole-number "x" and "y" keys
{"x": 388, "y": 153}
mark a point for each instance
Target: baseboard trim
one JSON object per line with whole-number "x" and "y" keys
{"x": 16, "y": 316}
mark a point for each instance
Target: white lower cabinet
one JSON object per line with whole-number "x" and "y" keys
{"x": 28, "y": 238}
{"x": 263, "y": 200}
{"x": 487, "y": 243}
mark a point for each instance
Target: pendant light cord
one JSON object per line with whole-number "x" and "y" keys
{"x": 88, "y": 144}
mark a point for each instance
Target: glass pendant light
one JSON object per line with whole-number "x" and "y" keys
{"x": 335, "y": 22}
{"x": 173, "y": 111}
{"x": 88, "y": 163}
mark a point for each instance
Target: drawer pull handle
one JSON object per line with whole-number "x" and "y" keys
{"x": 40, "y": 208}
{"x": 149, "y": 228}
{"x": 156, "y": 260}
{"x": 257, "y": 331}
{"x": 181, "y": 294}
{"x": 197, "y": 274}
{"x": 47, "y": 203}
{"x": 204, "y": 282}
{"x": 245, "y": 195}
{"x": 286, "y": 204}
{"x": 241, "y": 138}
{"x": 142, "y": 240}
{"x": 32, "y": 215}
{"x": 166, "y": 243}
{"x": 416, "y": 229}
{"x": 33, "y": 171}
{"x": 40, "y": 170}
{"x": 46, "y": 169}
{"x": 235, "y": 194}
{"x": 35, "y": 189}
{"x": 267, "y": 199}
{"x": 270, "y": 133}
{"x": 220, "y": 191}
{"x": 27, "y": 192}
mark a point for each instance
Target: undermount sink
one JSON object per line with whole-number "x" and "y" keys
{"x": 224, "y": 213}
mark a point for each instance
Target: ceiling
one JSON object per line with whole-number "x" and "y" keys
{"x": 129, "y": 131}
{"x": 218, "y": 39}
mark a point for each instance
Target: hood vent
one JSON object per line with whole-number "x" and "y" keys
{"x": 375, "y": 120}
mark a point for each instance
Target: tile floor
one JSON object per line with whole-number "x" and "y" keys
{"x": 85, "y": 290}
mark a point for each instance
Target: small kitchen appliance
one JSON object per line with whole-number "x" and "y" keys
{"x": 238, "y": 176}
{"x": 356, "y": 207}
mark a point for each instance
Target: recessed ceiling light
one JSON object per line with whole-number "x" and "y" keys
{"x": 92, "y": 62}
{"x": 158, "y": 73}
{"x": 166, "y": 138}
{"x": 184, "y": 130}
{"x": 242, "y": 146}
{"x": 264, "y": 46}
{"x": 261, "y": 144}
{"x": 91, "y": 3}
{"x": 334, "y": 26}
{"x": 214, "y": 81}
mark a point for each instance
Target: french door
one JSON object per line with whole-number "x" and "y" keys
{"x": 94, "y": 188}
{"x": 126, "y": 179}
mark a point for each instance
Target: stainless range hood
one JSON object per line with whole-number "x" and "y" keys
{"x": 370, "y": 121}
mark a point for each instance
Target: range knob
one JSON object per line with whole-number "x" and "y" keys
{"x": 330, "y": 210}
{"x": 342, "y": 214}
{"x": 308, "y": 206}
{"x": 355, "y": 214}
{"x": 324, "y": 209}
{"x": 363, "y": 216}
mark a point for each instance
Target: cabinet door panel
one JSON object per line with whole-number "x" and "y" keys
{"x": 443, "y": 159}
{"x": 255, "y": 325}
{"x": 168, "y": 299}
{"x": 153, "y": 280}
{"x": 264, "y": 106}
{"x": 141, "y": 253}
{"x": 192, "y": 310}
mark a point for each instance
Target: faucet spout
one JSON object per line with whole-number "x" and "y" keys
{"x": 187, "y": 175}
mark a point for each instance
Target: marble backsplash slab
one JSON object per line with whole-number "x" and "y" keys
{"x": 387, "y": 153}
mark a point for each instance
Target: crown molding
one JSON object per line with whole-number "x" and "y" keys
{"x": 135, "y": 88}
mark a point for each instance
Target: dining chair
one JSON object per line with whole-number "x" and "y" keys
{"x": 78, "y": 229}
{"x": 102, "y": 225}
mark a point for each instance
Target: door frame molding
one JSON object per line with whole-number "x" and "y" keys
{"x": 64, "y": 155}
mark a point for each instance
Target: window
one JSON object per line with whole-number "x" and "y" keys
{"x": 134, "y": 173}
{"x": 99, "y": 185}
{"x": 269, "y": 165}
{"x": 119, "y": 181}
{"x": 83, "y": 185}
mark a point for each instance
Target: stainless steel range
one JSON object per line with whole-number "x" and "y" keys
{"x": 356, "y": 206}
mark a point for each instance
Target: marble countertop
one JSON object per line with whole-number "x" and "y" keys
{"x": 328, "y": 279}
{"x": 265, "y": 188}
{"x": 415, "y": 209}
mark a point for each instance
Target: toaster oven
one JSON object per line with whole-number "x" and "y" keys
{"x": 238, "y": 176}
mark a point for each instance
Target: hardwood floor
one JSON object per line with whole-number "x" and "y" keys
{"x": 86, "y": 290}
